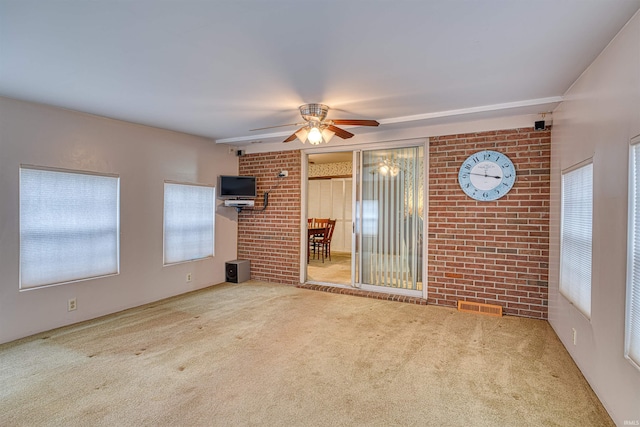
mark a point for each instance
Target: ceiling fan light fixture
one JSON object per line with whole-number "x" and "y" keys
{"x": 315, "y": 136}
{"x": 302, "y": 134}
{"x": 316, "y": 129}
{"x": 327, "y": 135}
{"x": 388, "y": 167}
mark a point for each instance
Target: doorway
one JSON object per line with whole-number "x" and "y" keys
{"x": 330, "y": 196}
{"x": 376, "y": 196}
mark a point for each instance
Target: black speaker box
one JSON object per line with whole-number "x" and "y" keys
{"x": 238, "y": 271}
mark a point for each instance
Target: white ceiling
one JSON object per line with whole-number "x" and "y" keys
{"x": 221, "y": 68}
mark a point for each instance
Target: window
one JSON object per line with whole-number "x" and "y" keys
{"x": 189, "y": 215}
{"x": 69, "y": 226}
{"x": 632, "y": 332}
{"x": 575, "y": 236}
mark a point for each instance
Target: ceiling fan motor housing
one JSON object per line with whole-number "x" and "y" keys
{"x": 314, "y": 112}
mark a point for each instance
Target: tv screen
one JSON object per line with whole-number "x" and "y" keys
{"x": 231, "y": 187}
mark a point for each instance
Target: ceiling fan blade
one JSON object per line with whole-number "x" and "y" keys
{"x": 340, "y": 132}
{"x": 356, "y": 122}
{"x": 278, "y": 126}
{"x": 293, "y": 136}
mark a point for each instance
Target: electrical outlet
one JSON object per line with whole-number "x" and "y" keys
{"x": 188, "y": 277}
{"x": 575, "y": 336}
{"x": 72, "y": 304}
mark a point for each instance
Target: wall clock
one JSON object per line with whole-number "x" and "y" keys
{"x": 487, "y": 175}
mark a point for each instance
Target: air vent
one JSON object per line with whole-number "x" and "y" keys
{"x": 479, "y": 308}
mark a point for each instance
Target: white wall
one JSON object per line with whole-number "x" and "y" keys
{"x": 331, "y": 198}
{"x": 143, "y": 157}
{"x": 599, "y": 116}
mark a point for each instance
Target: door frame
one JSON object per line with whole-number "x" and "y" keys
{"x": 304, "y": 176}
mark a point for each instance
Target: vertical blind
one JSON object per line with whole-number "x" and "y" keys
{"x": 392, "y": 218}
{"x": 69, "y": 226}
{"x": 189, "y": 215}
{"x": 576, "y": 237}
{"x": 632, "y": 349}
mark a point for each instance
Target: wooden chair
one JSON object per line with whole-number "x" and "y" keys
{"x": 320, "y": 222}
{"x": 309, "y": 226}
{"x": 316, "y": 240}
{"x": 324, "y": 245}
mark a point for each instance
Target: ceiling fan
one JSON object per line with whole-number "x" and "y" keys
{"x": 316, "y": 129}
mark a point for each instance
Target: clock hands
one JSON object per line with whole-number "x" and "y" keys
{"x": 485, "y": 175}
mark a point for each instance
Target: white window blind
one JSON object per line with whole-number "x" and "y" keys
{"x": 576, "y": 237}
{"x": 632, "y": 342}
{"x": 69, "y": 226}
{"x": 189, "y": 215}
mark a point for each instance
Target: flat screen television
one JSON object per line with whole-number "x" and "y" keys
{"x": 236, "y": 187}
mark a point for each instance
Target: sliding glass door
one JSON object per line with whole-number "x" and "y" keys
{"x": 389, "y": 227}
{"x": 381, "y": 211}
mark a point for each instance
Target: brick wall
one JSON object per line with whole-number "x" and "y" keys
{"x": 271, "y": 238}
{"x": 490, "y": 252}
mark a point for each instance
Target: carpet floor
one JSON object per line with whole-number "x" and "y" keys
{"x": 267, "y": 354}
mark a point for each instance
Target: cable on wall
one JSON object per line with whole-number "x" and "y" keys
{"x": 282, "y": 174}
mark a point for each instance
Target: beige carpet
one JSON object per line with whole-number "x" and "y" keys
{"x": 265, "y": 354}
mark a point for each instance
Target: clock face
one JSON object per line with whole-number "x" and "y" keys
{"x": 487, "y": 175}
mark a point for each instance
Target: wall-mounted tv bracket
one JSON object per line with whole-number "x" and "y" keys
{"x": 265, "y": 201}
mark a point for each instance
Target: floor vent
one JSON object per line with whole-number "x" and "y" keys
{"x": 477, "y": 307}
